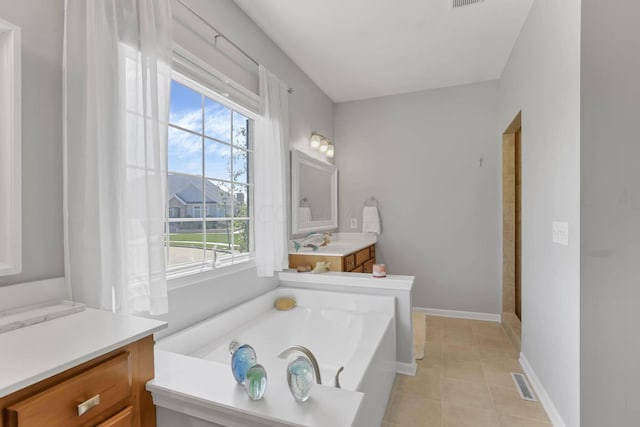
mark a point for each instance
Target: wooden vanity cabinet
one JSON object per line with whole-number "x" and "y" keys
{"x": 360, "y": 261}
{"x": 108, "y": 391}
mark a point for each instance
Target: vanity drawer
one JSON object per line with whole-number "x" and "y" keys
{"x": 78, "y": 400}
{"x": 349, "y": 262}
{"x": 362, "y": 255}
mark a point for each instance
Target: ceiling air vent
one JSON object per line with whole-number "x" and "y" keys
{"x": 462, "y": 3}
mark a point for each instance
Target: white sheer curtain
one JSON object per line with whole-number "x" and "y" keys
{"x": 117, "y": 70}
{"x": 270, "y": 176}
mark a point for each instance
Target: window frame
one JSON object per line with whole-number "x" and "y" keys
{"x": 186, "y": 274}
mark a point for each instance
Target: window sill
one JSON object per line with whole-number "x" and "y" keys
{"x": 184, "y": 278}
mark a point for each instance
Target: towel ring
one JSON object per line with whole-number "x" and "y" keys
{"x": 371, "y": 201}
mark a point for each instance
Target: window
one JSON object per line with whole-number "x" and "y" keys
{"x": 209, "y": 183}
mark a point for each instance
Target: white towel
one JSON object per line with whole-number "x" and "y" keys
{"x": 370, "y": 220}
{"x": 304, "y": 214}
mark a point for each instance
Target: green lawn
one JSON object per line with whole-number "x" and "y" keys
{"x": 219, "y": 237}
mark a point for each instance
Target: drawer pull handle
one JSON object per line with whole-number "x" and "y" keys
{"x": 88, "y": 404}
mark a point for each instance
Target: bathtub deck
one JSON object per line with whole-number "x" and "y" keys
{"x": 207, "y": 390}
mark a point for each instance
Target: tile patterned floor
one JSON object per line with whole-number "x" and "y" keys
{"x": 463, "y": 381}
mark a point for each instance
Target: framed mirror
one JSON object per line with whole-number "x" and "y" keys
{"x": 10, "y": 150}
{"x": 314, "y": 194}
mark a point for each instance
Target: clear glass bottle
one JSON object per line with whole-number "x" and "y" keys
{"x": 255, "y": 381}
{"x": 300, "y": 377}
{"x": 243, "y": 357}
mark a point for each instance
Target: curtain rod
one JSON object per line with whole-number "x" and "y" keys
{"x": 220, "y": 34}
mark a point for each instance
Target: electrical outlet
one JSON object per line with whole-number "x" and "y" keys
{"x": 560, "y": 233}
{"x": 354, "y": 223}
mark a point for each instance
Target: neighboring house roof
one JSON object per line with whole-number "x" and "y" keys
{"x": 188, "y": 189}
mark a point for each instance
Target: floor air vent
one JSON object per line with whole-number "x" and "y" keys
{"x": 462, "y": 3}
{"x": 523, "y": 387}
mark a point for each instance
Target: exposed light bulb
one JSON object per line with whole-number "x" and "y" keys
{"x": 315, "y": 141}
{"x": 330, "y": 150}
{"x": 324, "y": 145}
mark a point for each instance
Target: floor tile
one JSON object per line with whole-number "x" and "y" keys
{"x": 462, "y": 335}
{"x": 412, "y": 411}
{"x": 497, "y": 343}
{"x": 461, "y": 416}
{"x": 488, "y": 329}
{"x": 463, "y": 370}
{"x": 508, "y": 402}
{"x": 466, "y": 393}
{"x": 426, "y": 383}
{"x": 498, "y": 355}
{"x": 460, "y": 352}
{"x": 509, "y": 421}
{"x": 498, "y": 372}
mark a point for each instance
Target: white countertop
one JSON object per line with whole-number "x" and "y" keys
{"x": 341, "y": 244}
{"x": 37, "y": 352}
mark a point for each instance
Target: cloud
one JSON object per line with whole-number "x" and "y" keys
{"x": 185, "y": 149}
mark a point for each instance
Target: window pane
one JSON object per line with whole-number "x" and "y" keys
{"x": 185, "y": 243}
{"x": 217, "y": 160}
{"x": 219, "y": 201}
{"x": 241, "y": 234}
{"x": 185, "y": 108}
{"x": 240, "y": 165}
{"x": 184, "y": 152}
{"x": 241, "y": 201}
{"x": 217, "y": 120}
{"x": 241, "y": 161}
{"x": 240, "y": 130}
{"x": 184, "y": 195}
{"x": 219, "y": 236}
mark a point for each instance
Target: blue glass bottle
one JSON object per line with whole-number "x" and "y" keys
{"x": 243, "y": 357}
{"x": 255, "y": 381}
{"x": 300, "y": 378}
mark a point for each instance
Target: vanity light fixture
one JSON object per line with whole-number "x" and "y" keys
{"x": 322, "y": 144}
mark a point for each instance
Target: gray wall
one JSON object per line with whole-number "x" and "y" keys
{"x": 418, "y": 155}
{"x": 542, "y": 79}
{"x": 41, "y": 23}
{"x": 610, "y": 206}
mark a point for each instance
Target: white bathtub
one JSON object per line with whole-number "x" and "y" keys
{"x": 193, "y": 385}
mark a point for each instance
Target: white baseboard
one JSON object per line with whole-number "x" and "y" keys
{"x": 547, "y": 403}
{"x": 409, "y": 369}
{"x": 460, "y": 314}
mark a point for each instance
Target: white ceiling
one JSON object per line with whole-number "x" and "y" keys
{"x": 357, "y": 49}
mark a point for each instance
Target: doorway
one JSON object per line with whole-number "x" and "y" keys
{"x": 511, "y": 228}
